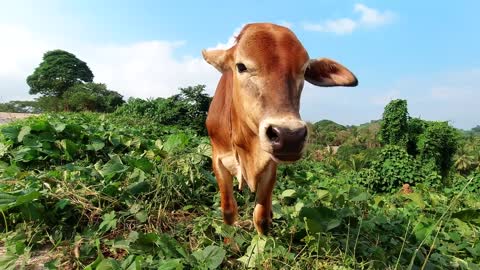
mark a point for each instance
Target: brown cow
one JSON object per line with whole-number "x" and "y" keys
{"x": 254, "y": 121}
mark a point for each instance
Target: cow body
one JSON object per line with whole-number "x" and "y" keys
{"x": 254, "y": 121}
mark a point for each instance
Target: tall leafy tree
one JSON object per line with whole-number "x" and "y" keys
{"x": 394, "y": 125}
{"x": 438, "y": 144}
{"x": 58, "y": 71}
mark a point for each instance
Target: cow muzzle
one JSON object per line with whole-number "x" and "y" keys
{"x": 284, "y": 140}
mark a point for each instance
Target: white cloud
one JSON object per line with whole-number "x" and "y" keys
{"x": 231, "y": 40}
{"x": 339, "y": 26}
{"x": 141, "y": 69}
{"x": 20, "y": 52}
{"x": 369, "y": 17}
{"x": 373, "y": 17}
{"x": 148, "y": 69}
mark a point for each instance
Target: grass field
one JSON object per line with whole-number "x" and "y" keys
{"x": 92, "y": 191}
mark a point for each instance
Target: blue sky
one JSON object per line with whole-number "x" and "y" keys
{"x": 424, "y": 51}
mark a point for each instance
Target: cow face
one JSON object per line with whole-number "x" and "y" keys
{"x": 269, "y": 66}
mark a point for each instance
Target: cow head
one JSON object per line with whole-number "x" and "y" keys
{"x": 269, "y": 66}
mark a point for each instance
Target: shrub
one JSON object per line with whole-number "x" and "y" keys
{"x": 438, "y": 144}
{"x": 394, "y": 126}
{"x": 391, "y": 170}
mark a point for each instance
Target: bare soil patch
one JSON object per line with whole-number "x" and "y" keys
{"x": 6, "y": 117}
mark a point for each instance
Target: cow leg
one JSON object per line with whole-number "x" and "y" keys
{"x": 225, "y": 184}
{"x": 262, "y": 215}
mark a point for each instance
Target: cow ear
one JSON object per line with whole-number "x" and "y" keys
{"x": 326, "y": 72}
{"x": 216, "y": 58}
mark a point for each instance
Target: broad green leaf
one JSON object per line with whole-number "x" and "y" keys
{"x": 11, "y": 132}
{"x": 59, "y": 127}
{"x": 360, "y": 197}
{"x": 176, "y": 142}
{"x": 25, "y": 130}
{"x": 169, "y": 247}
{"x": 28, "y": 197}
{"x": 6, "y": 198}
{"x": 141, "y": 216}
{"x": 322, "y": 193}
{"x": 40, "y": 125}
{"x": 289, "y": 193}
{"x": 171, "y": 264}
{"x": 256, "y": 248}
{"x": 416, "y": 198}
{"x": 211, "y": 256}
{"x": 204, "y": 149}
{"x": 320, "y": 219}
{"x": 113, "y": 167}
{"x": 109, "y": 222}
{"x": 108, "y": 264}
{"x": 25, "y": 154}
{"x": 138, "y": 187}
{"x": 70, "y": 148}
{"x": 143, "y": 164}
{"x": 96, "y": 145}
{"x": 423, "y": 230}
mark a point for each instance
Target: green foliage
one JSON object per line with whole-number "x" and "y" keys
{"x": 94, "y": 97}
{"x": 187, "y": 109}
{"x": 58, "y": 71}
{"x": 476, "y": 129}
{"x": 394, "y": 125}
{"x": 438, "y": 145}
{"x": 20, "y": 106}
{"x": 388, "y": 173}
{"x": 325, "y": 132}
{"x": 119, "y": 192}
{"x": 416, "y": 127}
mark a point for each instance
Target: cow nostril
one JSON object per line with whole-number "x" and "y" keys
{"x": 273, "y": 134}
{"x": 304, "y": 132}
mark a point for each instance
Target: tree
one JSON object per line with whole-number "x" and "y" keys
{"x": 438, "y": 144}
{"x": 416, "y": 127}
{"x": 93, "y": 97}
{"x": 58, "y": 71}
{"x": 394, "y": 126}
{"x": 20, "y": 106}
{"x": 476, "y": 129}
{"x": 327, "y": 132}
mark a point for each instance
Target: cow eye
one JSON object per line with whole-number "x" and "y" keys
{"x": 241, "y": 68}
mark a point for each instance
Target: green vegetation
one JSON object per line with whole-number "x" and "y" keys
{"x": 187, "y": 109}
{"x": 58, "y": 71}
{"x": 64, "y": 83}
{"x": 134, "y": 190}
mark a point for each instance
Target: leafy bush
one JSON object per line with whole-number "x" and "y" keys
{"x": 438, "y": 144}
{"x": 187, "y": 109}
{"x": 393, "y": 168}
{"x": 94, "y": 97}
{"x": 394, "y": 125}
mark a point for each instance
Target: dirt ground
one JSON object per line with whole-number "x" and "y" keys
{"x": 6, "y": 117}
